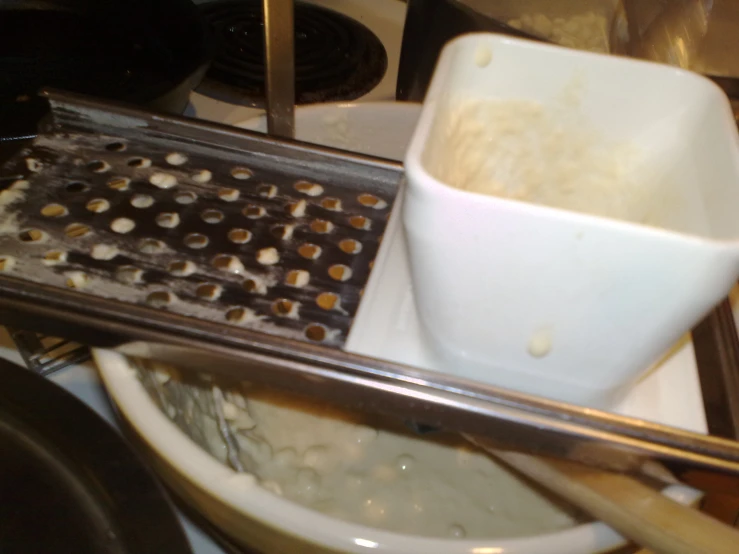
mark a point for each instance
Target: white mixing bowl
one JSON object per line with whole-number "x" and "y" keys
{"x": 235, "y": 502}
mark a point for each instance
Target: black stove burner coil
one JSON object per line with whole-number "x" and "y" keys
{"x": 336, "y": 58}
{"x": 145, "y": 52}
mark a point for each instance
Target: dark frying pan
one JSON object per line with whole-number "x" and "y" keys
{"x": 146, "y": 52}
{"x": 69, "y": 483}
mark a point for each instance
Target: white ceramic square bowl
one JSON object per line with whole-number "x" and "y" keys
{"x": 558, "y": 303}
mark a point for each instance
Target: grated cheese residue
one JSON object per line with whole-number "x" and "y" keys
{"x": 548, "y": 155}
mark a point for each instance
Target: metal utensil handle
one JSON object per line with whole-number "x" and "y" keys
{"x": 717, "y": 357}
{"x": 279, "y": 52}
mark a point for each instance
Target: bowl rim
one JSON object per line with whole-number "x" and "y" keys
{"x": 242, "y": 494}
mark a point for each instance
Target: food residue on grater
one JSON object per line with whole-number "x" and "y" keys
{"x": 255, "y": 285}
{"x": 34, "y": 165}
{"x": 230, "y": 264}
{"x": 268, "y": 256}
{"x": 98, "y": 205}
{"x": 228, "y": 195}
{"x": 297, "y": 278}
{"x": 129, "y": 274}
{"x": 286, "y": 308}
{"x": 11, "y": 195}
{"x": 182, "y": 268}
{"x": 168, "y": 220}
{"x": 142, "y": 201}
{"x": 241, "y": 315}
{"x": 309, "y": 251}
{"x": 122, "y": 225}
{"x": 175, "y": 158}
{"x": 163, "y": 180}
{"x": 202, "y": 176}
{"x": 239, "y": 236}
{"x": 104, "y": 251}
{"x": 308, "y": 188}
{"x": 6, "y": 263}
{"x": 297, "y": 209}
{"x": 77, "y": 279}
{"x": 54, "y": 257}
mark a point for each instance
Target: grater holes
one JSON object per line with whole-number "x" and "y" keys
{"x": 340, "y": 272}
{"x": 208, "y": 291}
{"x": 328, "y": 301}
{"x": 122, "y": 225}
{"x": 239, "y": 236}
{"x": 185, "y": 198}
{"x": 240, "y": 315}
{"x": 283, "y": 307}
{"x": 228, "y": 263}
{"x": 182, "y": 268}
{"x": 34, "y": 165}
{"x": 167, "y": 220}
{"x": 98, "y": 166}
{"x": 142, "y": 201}
{"x": 6, "y": 263}
{"x": 115, "y": 147}
{"x": 160, "y": 299}
{"x": 242, "y": 173}
{"x": 254, "y": 212}
{"x": 76, "y": 279}
{"x": 321, "y": 226}
{"x": 129, "y": 274}
{"x": 151, "y": 246}
{"x": 163, "y": 180}
{"x": 316, "y": 332}
{"x": 76, "y": 230}
{"x": 308, "y": 188}
{"x": 98, "y": 205}
{"x": 76, "y": 187}
{"x": 331, "y": 204}
{"x": 139, "y": 163}
{"x": 103, "y": 252}
{"x": 196, "y": 241}
{"x": 228, "y": 195}
{"x": 267, "y": 191}
{"x": 203, "y": 176}
{"x": 212, "y": 216}
{"x": 309, "y": 251}
{"x": 283, "y": 232}
{"x": 297, "y": 278}
{"x": 54, "y": 257}
{"x": 268, "y": 256}
{"x": 54, "y": 210}
{"x": 254, "y": 286}
{"x": 297, "y": 209}
{"x": 360, "y": 222}
{"x": 119, "y": 183}
{"x": 175, "y": 158}
{"x": 371, "y": 201}
{"x": 350, "y": 246}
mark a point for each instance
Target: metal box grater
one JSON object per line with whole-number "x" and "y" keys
{"x": 91, "y": 252}
{"x": 195, "y": 219}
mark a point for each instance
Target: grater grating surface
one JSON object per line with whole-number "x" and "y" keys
{"x": 194, "y": 219}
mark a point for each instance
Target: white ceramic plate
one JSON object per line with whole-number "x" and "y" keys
{"x": 388, "y": 328}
